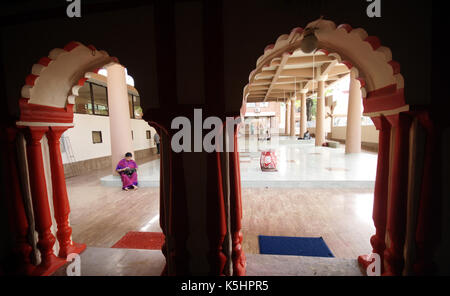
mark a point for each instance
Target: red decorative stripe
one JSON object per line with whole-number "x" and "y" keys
{"x": 348, "y": 64}
{"x": 96, "y": 70}
{"x": 41, "y": 113}
{"x": 45, "y": 61}
{"x": 297, "y": 30}
{"x": 346, "y": 27}
{"x": 362, "y": 81}
{"x": 324, "y": 51}
{"x": 395, "y": 67}
{"x": 71, "y": 45}
{"x": 383, "y": 91}
{"x": 270, "y": 46}
{"x": 82, "y": 81}
{"x": 379, "y": 101}
{"x": 374, "y": 42}
{"x": 92, "y": 47}
{"x": 31, "y": 79}
{"x": 115, "y": 59}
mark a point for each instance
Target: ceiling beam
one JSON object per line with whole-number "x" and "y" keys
{"x": 258, "y": 87}
{"x": 261, "y": 82}
{"x": 302, "y": 73}
{"x": 277, "y": 74}
{"x": 289, "y": 87}
{"x": 338, "y": 70}
{"x": 265, "y": 74}
{"x": 308, "y": 60}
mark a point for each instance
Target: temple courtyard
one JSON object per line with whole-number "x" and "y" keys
{"x": 316, "y": 192}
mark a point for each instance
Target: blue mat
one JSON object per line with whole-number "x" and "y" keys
{"x": 296, "y": 246}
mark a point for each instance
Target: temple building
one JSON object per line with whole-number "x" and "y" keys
{"x": 336, "y": 159}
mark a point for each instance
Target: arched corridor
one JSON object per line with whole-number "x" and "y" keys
{"x": 213, "y": 206}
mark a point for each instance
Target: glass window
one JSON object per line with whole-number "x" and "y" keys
{"x": 100, "y": 99}
{"x": 83, "y": 102}
{"x": 97, "y": 137}
{"x": 132, "y": 135}
{"x": 130, "y": 105}
{"x": 148, "y": 134}
{"x": 137, "y": 107}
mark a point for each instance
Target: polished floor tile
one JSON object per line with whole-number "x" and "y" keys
{"x": 300, "y": 165}
{"x": 100, "y": 215}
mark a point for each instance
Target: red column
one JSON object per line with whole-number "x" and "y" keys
{"x": 381, "y": 192}
{"x": 173, "y": 208}
{"x": 216, "y": 217}
{"x": 237, "y": 254}
{"x": 60, "y": 198}
{"x": 16, "y": 208}
{"x": 427, "y": 216}
{"x": 41, "y": 209}
{"x": 164, "y": 193}
{"x": 396, "y": 220}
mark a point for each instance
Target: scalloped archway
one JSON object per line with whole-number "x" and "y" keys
{"x": 46, "y": 112}
{"x": 50, "y": 89}
{"x": 405, "y": 136}
{"x": 382, "y": 83}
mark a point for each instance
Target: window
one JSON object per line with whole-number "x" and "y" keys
{"x": 83, "y": 103}
{"x": 97, "y": 137}
{"x": 137, "y": 107}
{"x": 148, "y": 134}
{"x": 100, "y": 99}
{"x": 130, "y": 105}
{"x": 132, "y": 135}
{"x": 92, "y": 99}
{"x": 134, "y": 103}
{"x": 251, "y": 105}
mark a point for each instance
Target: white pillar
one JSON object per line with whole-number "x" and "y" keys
{"x": 353, "y": 133}
{"x": 303, "y": 115}
{"x": 119, "y": 113}
{"x": 286, "y": 122}
{"x": 320, "y": 115}
{"x": 292, "y": 129}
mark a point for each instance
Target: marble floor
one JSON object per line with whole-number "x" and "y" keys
{"x": 128, "y": 262}
{"x": 101, "y": 215}
{"x": 300, "y": 165}
{"x": 342, "y": 216}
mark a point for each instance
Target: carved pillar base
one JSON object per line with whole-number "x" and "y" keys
{"x": 381, "y": 193}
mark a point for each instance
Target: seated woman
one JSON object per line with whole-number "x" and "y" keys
{"x": 127, "y": 170}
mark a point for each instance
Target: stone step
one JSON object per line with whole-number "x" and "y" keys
{"x": 119, "y": 262}
{"x": 277, "y": 265}
{"x": 132, "y": 262}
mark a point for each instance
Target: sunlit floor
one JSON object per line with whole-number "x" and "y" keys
{"x": 300, "y": 165}
{"x": 343, "y": 217}
{"x": 101, "y": 215}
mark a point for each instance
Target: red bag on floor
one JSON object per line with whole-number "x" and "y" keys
{"x": 268, "y": 161}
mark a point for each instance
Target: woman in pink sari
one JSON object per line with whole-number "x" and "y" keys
{"x": 127, "y": 168}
